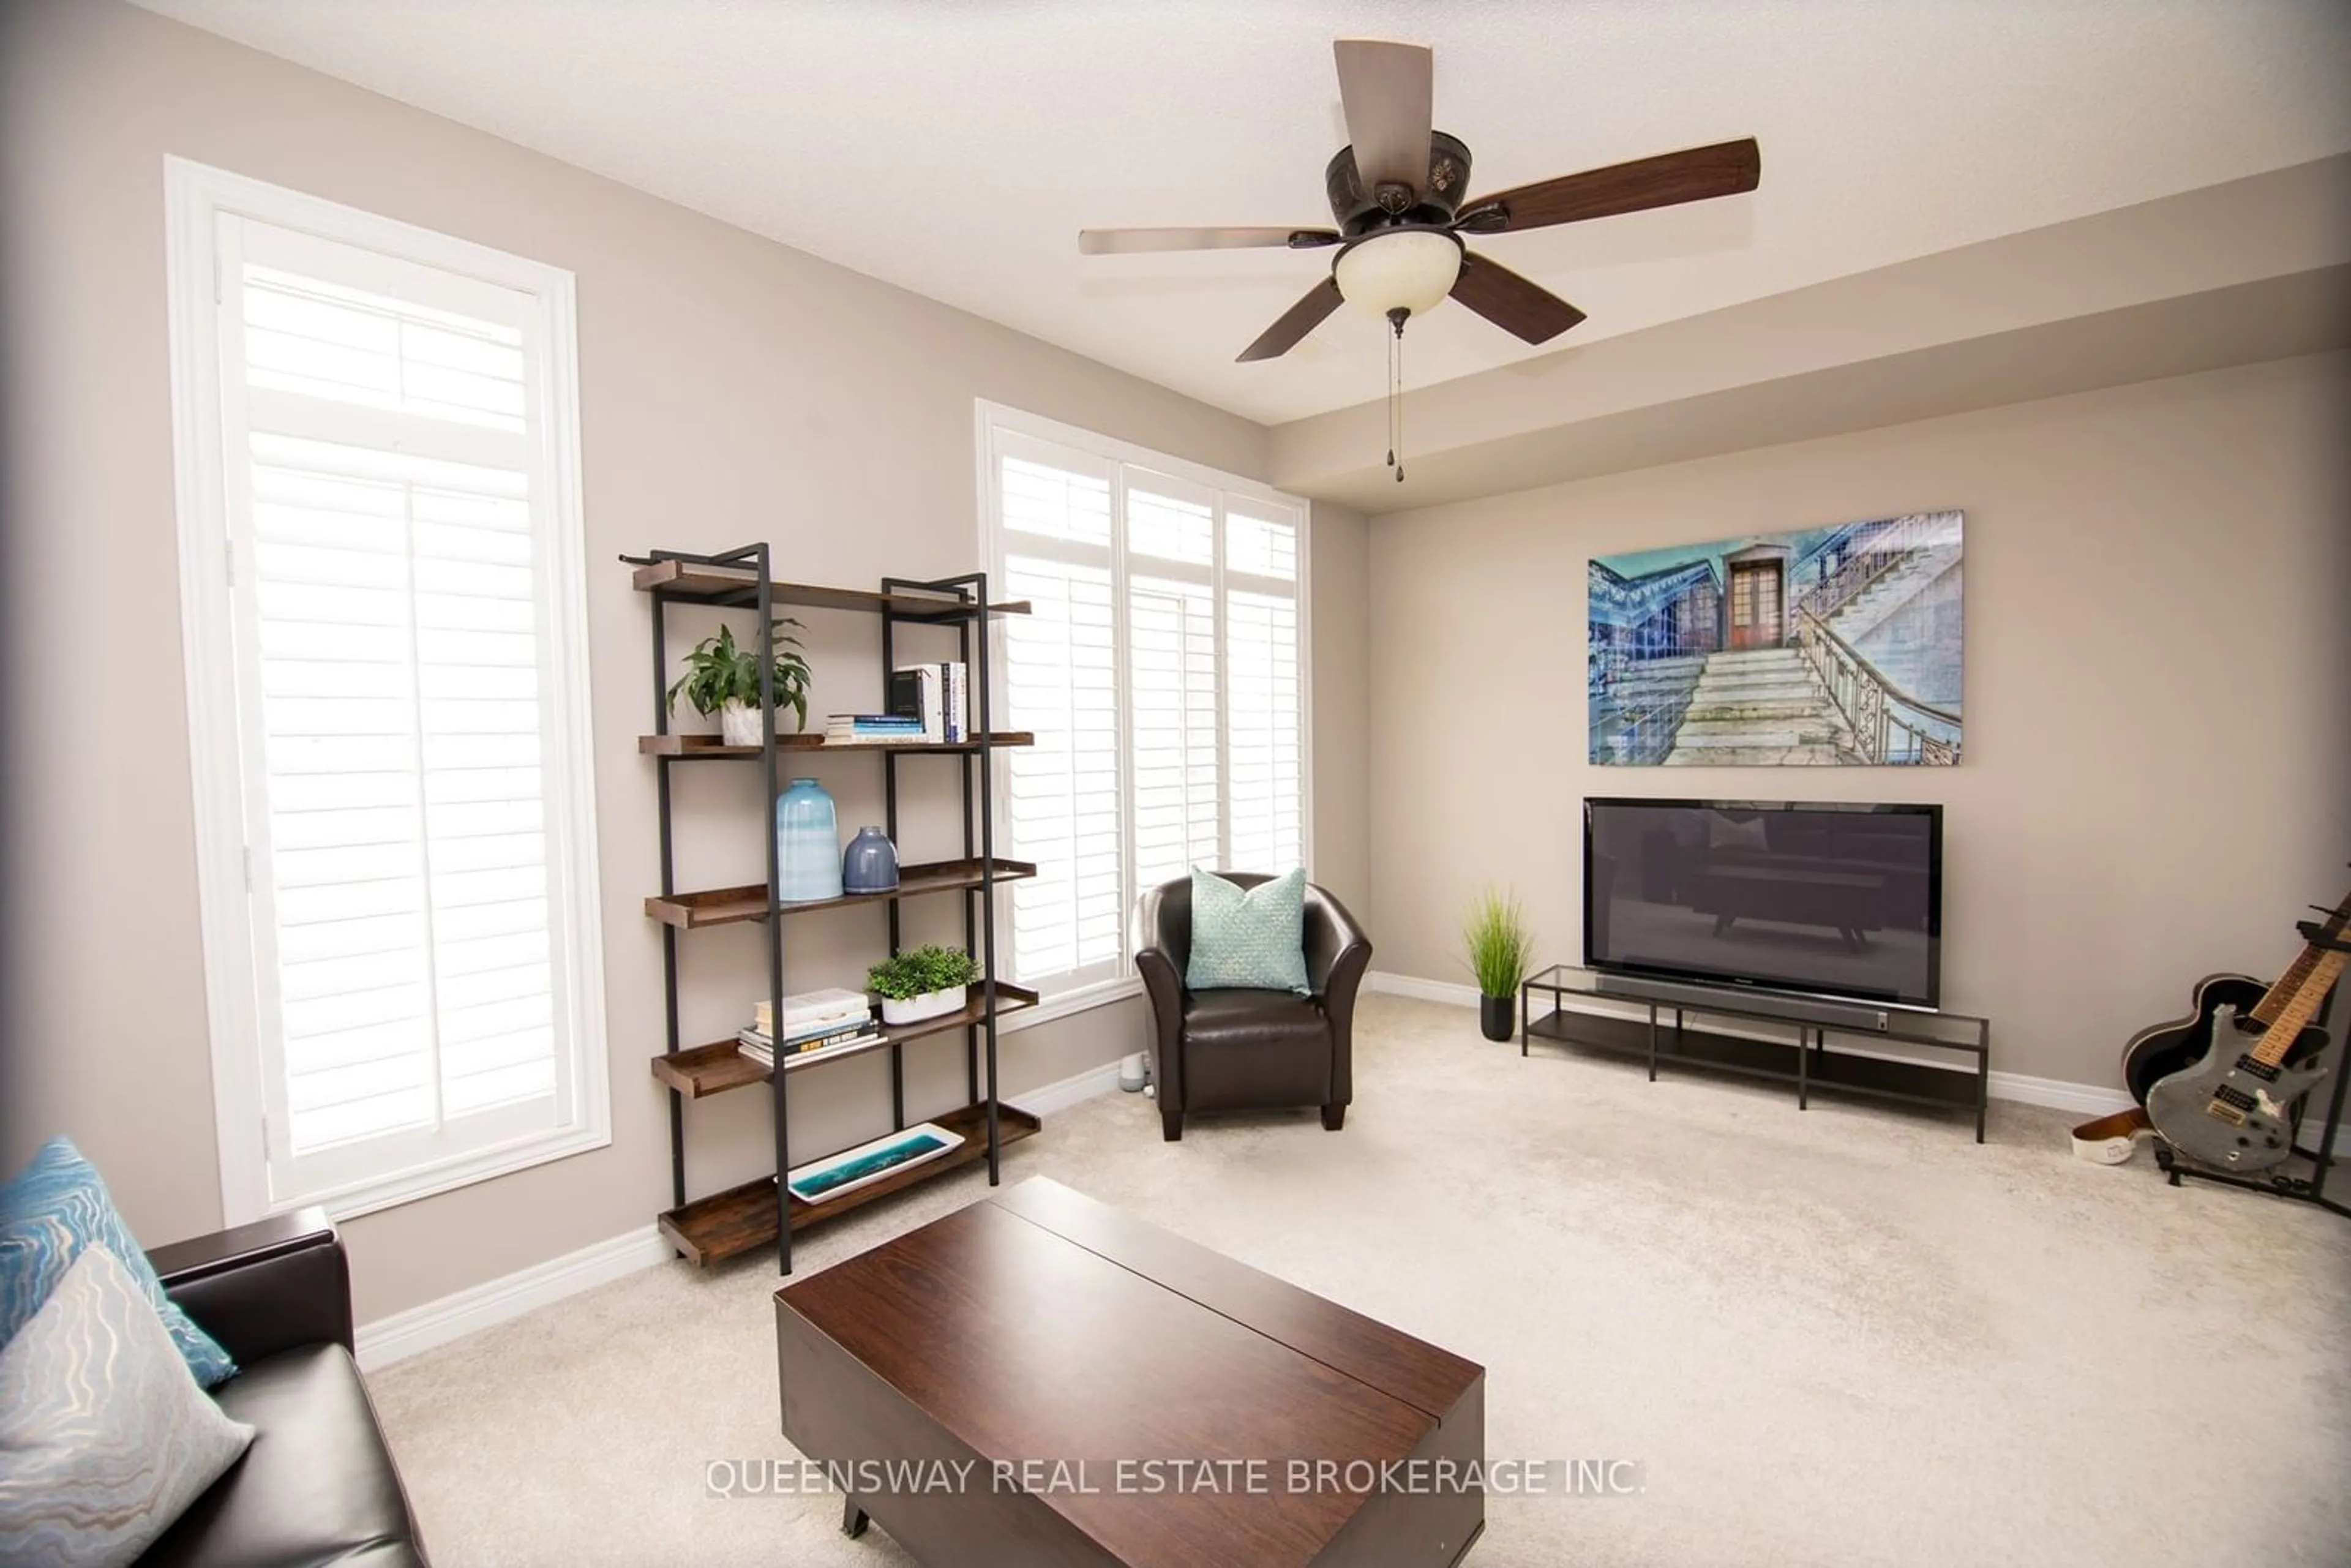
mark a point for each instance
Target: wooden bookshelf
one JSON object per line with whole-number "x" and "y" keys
{"x": 727, "y": 905}
{"x": 710, "y": 747}
{"x": 715, "y": 1068}
{"x": 937, "y": 612}
{"x": 743, "y": 1217}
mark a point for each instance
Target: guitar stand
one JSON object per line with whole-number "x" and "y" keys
{"x": 2311, "y": 1188}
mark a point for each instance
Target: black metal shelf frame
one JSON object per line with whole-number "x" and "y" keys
{"x": 970, "y": 610}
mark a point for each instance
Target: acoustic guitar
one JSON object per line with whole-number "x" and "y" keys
{"x": 2161, "y": 1049}
{"x": 2230, "y": 1110}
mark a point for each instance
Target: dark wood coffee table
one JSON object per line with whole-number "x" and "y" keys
{"x": 1073, "y": 1358}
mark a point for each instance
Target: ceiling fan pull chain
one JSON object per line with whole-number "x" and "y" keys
{"x": 1400, "y": 403}
{"x": 1389, "y": 399}
{"x": 1395, "y": 393}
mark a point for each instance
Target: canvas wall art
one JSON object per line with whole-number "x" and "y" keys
{"x": 1816, "y": 647}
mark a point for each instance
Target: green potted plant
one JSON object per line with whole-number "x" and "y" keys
{"x": 921, "y": 983}
{"x": 722, "y": 676}
{"x": 1495, "y": 936}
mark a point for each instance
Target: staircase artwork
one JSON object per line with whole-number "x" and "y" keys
{"x": 1814, "y": 647}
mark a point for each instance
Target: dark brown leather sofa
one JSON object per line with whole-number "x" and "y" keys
{"x": 1243, "y": 1050}
{"x": 317, "y": 1486}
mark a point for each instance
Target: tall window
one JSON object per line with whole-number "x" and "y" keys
{"x": 1162, "y": 671}
{"x": 380, "y": 573}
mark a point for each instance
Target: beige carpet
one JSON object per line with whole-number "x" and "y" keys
{"x": 1844, "y": 1336}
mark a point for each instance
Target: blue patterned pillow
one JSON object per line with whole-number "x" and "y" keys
{"x": 1255, "y": 940}
{"x": 55, "y": 1208}
{"x": 108, "y": 1437}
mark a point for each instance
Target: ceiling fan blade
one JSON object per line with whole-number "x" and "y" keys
{"x": 1385, "y": 90}
{"x": 1525, "y": 310}
{"x": 1123, "y": 242}
{"x": 1296, "y": 322}
{"x": 1725, "y": 169}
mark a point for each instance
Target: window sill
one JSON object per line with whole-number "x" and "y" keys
{"x": 1069, "y": 1004}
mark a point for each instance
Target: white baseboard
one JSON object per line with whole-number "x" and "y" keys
{"x": 2085, "y": 1099}
{"x": 453, "y": 1317}
{"x": 1048, "y": 1099}
{"x": 421, "y": 1328}
{"x": 2058, "y": 1094}
{"x": 1450, "y": 992}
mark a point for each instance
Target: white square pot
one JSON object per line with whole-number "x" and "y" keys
{"x": 929, "y": 1005}
{"x": 739, "y": 723}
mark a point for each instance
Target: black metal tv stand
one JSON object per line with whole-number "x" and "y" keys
{"x": 1820, "y": 1056}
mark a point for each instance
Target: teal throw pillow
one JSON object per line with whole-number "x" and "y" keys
{"x": 54, "y": 1209}
{"x": 1254, "y": 940}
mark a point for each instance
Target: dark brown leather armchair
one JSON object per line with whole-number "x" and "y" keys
{"x": 318, "y": 1486}
{"x": 1241, "y": 1050}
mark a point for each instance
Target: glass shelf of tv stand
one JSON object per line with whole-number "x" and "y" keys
{"x": 1767, "y": 1045}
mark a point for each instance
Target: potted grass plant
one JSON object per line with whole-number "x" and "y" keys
{"x": 722, "y": 676}
{"x": 1495, "y": 938}
{"x": 921, "y": 983}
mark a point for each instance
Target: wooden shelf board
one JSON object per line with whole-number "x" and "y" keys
{"x": 742, "y": 1217}
{"x": 708, "y": 1069}
{"x": 679, "y": 580}
{"x": 714, "y": 1069}
{"x": 726, "y": 905}
{"x": 700, "y": 746}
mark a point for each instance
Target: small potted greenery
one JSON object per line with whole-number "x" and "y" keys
{"x": 722, "y": 676}
{"x": 1496, "y": 939}
{"x": 921, "y": 983}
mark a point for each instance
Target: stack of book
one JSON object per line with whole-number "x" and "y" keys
{"x": 935, "y": 694}
{"x": 872, "y": 729}
{"x": 813, "y": 1021}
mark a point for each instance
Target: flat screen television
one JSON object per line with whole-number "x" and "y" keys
{"x": 1816, "y": 898}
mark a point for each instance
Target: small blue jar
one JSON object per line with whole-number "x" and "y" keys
{"x": 807, "y": 844}
{"x": 869, "y": 865}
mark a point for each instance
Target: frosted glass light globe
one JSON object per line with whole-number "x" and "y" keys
{"x": 1407, "y": 269}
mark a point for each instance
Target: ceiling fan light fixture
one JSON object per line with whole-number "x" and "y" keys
{"x": 1408, "y": 270}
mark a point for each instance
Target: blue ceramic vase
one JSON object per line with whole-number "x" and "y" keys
{"x": 807, "y": 844}
{"x": 869, "y": 865}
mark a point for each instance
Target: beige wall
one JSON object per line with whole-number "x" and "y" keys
{"x": 731, "y": 389}
{"x": 2158, "y": 690}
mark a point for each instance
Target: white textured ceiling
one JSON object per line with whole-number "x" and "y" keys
{"x": 956, "y": 148}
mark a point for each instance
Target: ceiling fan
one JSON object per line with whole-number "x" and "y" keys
{"x": 1396, "y": 194}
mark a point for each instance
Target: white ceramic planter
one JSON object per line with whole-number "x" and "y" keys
{"x": 929, "y": 1005}
{"x": 739, "y": 723}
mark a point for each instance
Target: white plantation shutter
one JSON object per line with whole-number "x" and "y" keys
{"x": 1261, "y": 717}
{"x": 1042, "y": 500}
{"x": 402, "y": 648}
{"x": 1161, "y": 672}
{"x": 1064, "y": 791}
{"x": 1263, "y": 690}
{"x": 406, "y": 805}
{"x": 1063, "y": 795}
{"x": 1170, "y": 639}
{"x": 1262, "y": 543}
{"x": 1171, "y": 632}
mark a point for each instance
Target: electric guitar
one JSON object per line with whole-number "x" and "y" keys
{"x": 2161, "y": 1049}
{"x": 2229, "y": 1109}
